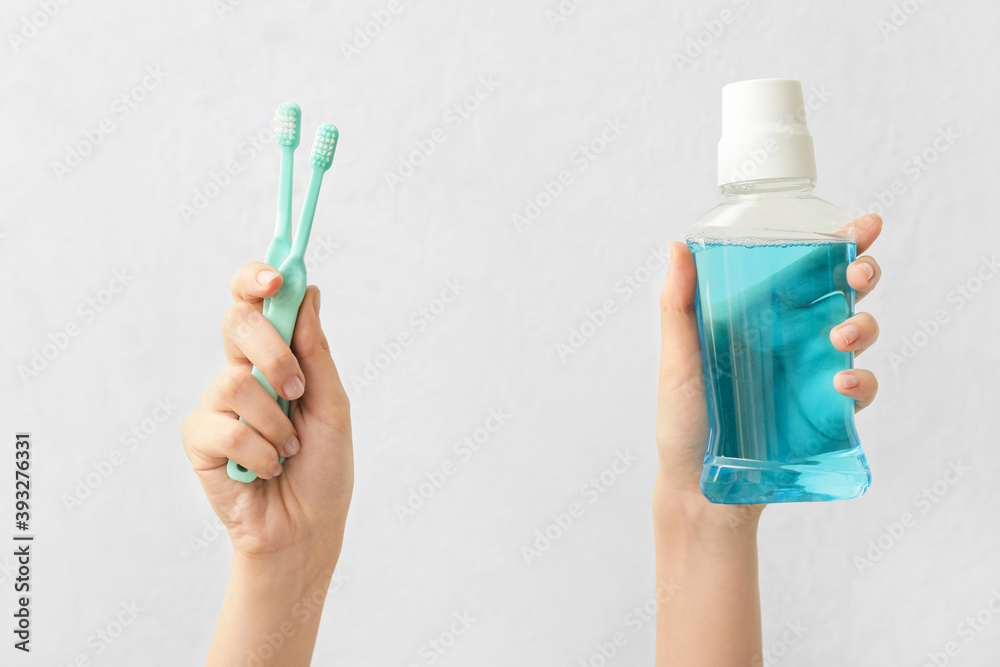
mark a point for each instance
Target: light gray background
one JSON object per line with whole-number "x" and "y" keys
{"x": 888, "y": 94}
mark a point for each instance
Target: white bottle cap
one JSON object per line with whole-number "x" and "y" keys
{"x": 764, "y": 133}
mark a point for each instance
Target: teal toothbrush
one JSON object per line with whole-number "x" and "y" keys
{"x": 283, "y": 308}
{"x": 287, "y": 133}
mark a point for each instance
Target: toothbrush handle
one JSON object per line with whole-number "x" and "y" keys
{"x": 282, "y": 315}
{"x": 281, "y": 244}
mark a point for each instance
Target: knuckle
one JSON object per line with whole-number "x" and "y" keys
{"x": 231, "y": 440}
{"x": 239, "y": 322}
{"x": 247, "y": 322}
{"x": 278, "y": 361}
{"x": 230, "y": 318}
{"x": 240, "y": 278}
{"x": 188, "y": 427}
{"x": 234, "y": 383}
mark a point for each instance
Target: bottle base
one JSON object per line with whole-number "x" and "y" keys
{"x": 839, "y": 476}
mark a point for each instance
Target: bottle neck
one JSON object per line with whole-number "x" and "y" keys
{"x": 772, "y": 187}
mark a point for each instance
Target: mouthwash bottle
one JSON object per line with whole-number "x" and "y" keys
{"x": 772, "y": 261}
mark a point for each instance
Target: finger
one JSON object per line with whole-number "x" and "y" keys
{"x": 326, "y": 395}
{"x": 866, "y": 229}
{"x": 859, "y": 384}
{"x": 680, "y": 353}
{"x": 237, "y": 392}
{"x": 856, "y": 334}
{"x": 681, "y": 415}
{"x": 254, "y": 282}
{"x": 211, "y": 439}
{"x": 863, "y": 275}
{"x": 249, "y": 339}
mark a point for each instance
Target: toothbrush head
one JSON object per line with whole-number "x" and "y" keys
{"x": 324, "y": 146}
{"x": 288, "y": 124}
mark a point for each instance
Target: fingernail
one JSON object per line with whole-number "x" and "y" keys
{"x": 849, "y": 380}
{"x": 277, "y": 470}
{"x": 293, "y": 388}
{"x": 292, "y": 446}
{"x": 849, "y": 332}
{"x": 867, "y": 268}
{"x": 316, "y": 303}
{"x": 265, "y": 277}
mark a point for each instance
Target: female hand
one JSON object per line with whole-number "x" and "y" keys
{"x": 301, "y": 506}
{"x": 682, "y": 417}
{"x": 708, "y": 602}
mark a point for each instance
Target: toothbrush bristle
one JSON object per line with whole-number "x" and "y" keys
{"x": 288, "y": 124}
{"x": 324, "y": 146}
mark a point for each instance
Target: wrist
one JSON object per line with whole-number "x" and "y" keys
{"x": 291, "y": 574}
{"x": 686, "y": 514}
{"x": 272, "y": 609}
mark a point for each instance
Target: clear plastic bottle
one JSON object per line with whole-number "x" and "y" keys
{"x": 771, "y": 261}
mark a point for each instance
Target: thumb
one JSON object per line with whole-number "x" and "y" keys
{"x": 324, "y": 396}
{"x": 681, "y": 415}
{"x": 680, "y": 357}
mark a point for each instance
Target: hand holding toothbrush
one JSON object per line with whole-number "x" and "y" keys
{"x": 286, "y": 527}
{"x": 280, "y": 398}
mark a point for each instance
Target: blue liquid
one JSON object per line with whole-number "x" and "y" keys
{"x": 779, "y": 431}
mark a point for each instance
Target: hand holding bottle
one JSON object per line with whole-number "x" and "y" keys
{"x": 706, "y": 553}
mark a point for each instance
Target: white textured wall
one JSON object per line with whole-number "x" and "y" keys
{"x": 885, "y": 98}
